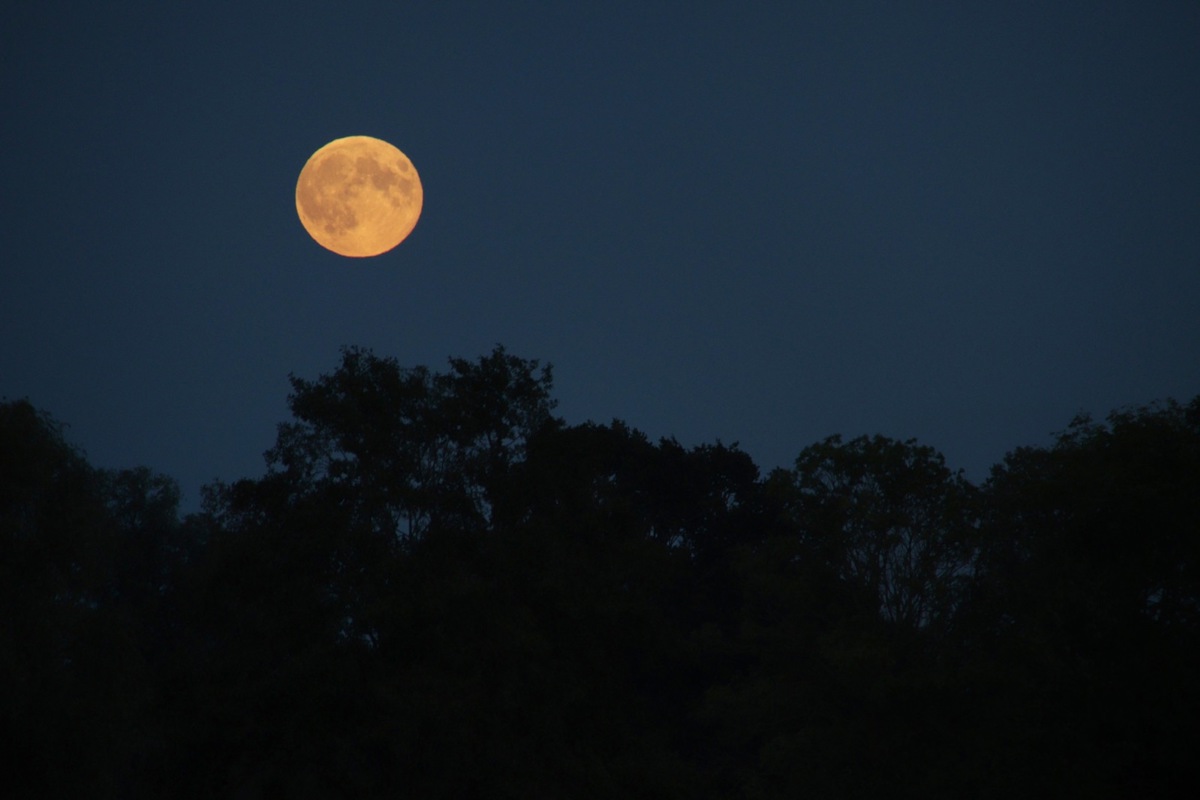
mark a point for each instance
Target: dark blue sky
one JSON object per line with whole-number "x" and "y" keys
{"x": 759, "y": 222}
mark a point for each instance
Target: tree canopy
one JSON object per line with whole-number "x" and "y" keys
{"x": 437, "y": 588}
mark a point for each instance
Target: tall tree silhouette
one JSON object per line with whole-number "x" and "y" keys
{"x": 86, "y": 558}
{"x": 408, "y": 447}
{"x": 1086, "y": 597}
{"x": 892, "y": 519}
{"x": 375, "y": 497}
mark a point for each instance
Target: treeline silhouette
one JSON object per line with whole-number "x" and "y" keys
{"x": 438, "y": 589}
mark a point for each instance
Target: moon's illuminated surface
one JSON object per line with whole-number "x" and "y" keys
{"x": 359, "y": 196}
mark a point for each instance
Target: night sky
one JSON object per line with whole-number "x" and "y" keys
{"x": 761, "y": 223}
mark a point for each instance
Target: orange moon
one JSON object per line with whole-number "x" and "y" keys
{"x": 359, "y": 196}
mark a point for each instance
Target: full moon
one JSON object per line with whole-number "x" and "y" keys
{"x": 359, "y": 196}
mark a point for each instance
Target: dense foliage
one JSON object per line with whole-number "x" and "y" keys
{"x": 439, "y": 589}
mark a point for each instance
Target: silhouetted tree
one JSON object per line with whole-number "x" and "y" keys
{"x": 409, "y": 448}
{"x": 892, "y": 519}
{"x": 81, "y": 627}
{"x": 1085, "y": 602}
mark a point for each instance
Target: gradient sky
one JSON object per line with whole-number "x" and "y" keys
{"x": 962, "y": 222}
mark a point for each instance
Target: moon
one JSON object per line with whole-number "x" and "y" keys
{"x": 359, "y": 196}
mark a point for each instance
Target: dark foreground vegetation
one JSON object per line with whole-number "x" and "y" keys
{"x": 440, "y": 590}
